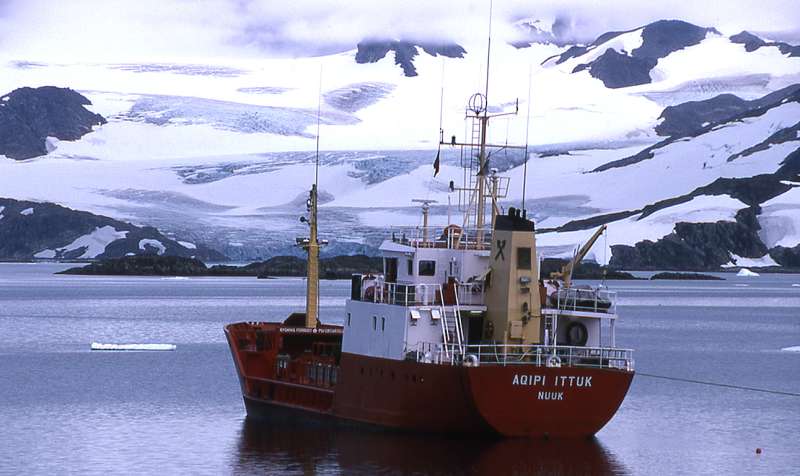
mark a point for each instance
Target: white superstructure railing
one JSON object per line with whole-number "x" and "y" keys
{"x": 379, "y": 291}
{"x": 514, "y": 354}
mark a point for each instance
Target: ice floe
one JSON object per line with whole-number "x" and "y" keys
{"x": 746, "y": 272}
{"x": 160, "y": 347}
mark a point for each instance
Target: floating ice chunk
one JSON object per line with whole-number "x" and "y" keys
{"x": 794, "y": 348}
{"x": 795, "y": 285}
{"x": 26, "y": 212}
{"x": 187, "y": 244}
{"x": 99, "y": 346}
{"x": 746, "y": 272}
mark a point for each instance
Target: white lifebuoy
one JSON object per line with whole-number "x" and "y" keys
{"x": 553, "y": 361}
{"x": 471, "y": 360}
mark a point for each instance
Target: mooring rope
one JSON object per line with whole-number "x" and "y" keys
{"x": 717, "y": 384}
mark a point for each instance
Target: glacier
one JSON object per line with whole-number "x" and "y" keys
{"x": 220, "y": 152}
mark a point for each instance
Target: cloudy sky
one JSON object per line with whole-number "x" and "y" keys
{"x": 77, "y": 30}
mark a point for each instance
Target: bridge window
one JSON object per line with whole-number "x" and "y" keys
{"x": 348, "y": 319}
{"x": 383, "y": 324}
{"x": 427, "y": 268}
{"x": 524, "y": 258}
{"x": 410, "y": 266}
{"x": 374, "y": 323}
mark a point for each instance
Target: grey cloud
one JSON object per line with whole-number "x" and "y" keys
{"x": 179, "y": 28}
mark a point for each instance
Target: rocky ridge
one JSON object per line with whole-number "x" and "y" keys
{"x": 33, "y": 230}
{"x": 28, "y": 116}
{"x": 372, "y": 51}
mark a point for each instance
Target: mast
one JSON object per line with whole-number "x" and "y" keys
{"x": 312, "y": 244}
{"x": 312, "y": 281}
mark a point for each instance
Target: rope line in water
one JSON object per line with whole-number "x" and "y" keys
{"x": 716, "y": 384}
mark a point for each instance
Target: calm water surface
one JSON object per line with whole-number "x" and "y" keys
{"x": 65, "y": 409}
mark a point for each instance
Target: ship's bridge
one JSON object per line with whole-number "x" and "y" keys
{"x": 431, "y": 290}
{"x": 430, "y": 303}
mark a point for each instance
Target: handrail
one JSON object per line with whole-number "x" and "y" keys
{"x": 445, "y": 330}
{"x": 537, "y": 355}
{"x": 459, "y": 330}
{"x": 419, "y": 294}
{"x": 451, "y": 236}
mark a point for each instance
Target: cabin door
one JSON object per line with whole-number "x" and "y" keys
{"x": 390, "y": 269}
{"x": 454, "y": 270}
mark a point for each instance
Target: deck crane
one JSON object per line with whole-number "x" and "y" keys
{"x": 566, "y": 271}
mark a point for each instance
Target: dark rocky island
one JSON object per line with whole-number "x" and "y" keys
{"x": 339, "y": 267}
{"x": 584, "y": 270}
{"x": 29, "y": 115}
{"x": 686, "y": 276}
{"x": 143, "y": 266}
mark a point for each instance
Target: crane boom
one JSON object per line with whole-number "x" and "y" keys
{"x": 566, "y": 271}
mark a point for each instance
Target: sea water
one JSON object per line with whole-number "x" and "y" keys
{"x": 65, "y": 409}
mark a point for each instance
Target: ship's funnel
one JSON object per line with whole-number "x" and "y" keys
{"x": 512, "y": 298}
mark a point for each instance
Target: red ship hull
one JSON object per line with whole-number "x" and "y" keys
{"x": 513, "y": 400}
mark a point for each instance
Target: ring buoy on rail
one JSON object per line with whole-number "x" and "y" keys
{"x": 470, "y": 360}
{"x": 577, "y": 335}
{"x": 553, "y": 361}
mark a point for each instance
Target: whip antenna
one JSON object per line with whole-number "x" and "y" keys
{"x": 488, "y": 56}
{"x": 319, "y": 112}
{"x": 527, "y": 132}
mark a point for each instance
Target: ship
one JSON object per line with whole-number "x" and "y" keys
{"x": 459, "y": 334}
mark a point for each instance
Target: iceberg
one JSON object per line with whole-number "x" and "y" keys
{"x": 746, "y": 272}
{"x": 99, "y": 346}
{"x": 795, "y": 348}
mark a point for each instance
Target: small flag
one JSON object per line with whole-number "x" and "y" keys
{"x": 485, "y": 168}
{"x": 436, "y": 164}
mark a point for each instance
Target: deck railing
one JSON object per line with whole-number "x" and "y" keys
{"x": 452, "y": 236}
{"x": 379, "y": 291}
{"x": 514, "y": 354}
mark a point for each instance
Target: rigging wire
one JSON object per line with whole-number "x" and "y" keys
{"x": 717, "y": 384}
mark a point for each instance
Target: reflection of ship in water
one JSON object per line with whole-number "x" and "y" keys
{"x": 286, "y": 448}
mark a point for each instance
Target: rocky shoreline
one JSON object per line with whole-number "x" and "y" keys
{"x": 339, "y": 267}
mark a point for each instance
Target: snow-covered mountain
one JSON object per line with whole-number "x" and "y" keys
{"x": 628, "y": 130}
